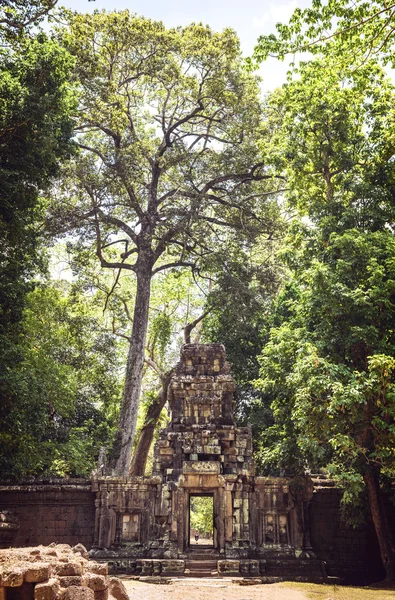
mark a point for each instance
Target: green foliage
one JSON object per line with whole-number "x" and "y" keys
{"x": 352, "y": 31}
{"x": 17, "y": 16}
{"x": 177, "y": 117}
{"x": 328, "y": 363}
{"x": 66, "y": 390}
{"x": 201, "y": 515}
{"x": 35, "y": 129}
{"x": 245, "y": 279}
{"x": 161, "y": 333}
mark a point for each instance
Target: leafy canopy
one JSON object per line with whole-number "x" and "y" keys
{"x": 352, "y": 31}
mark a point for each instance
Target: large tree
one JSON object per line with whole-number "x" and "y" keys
{"x": 329, "y": 363}
{"x": 171, "y": 157}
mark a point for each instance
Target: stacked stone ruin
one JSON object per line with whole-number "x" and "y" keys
{"x": 202, "y": 428}
{"x": 260, "y": 525}
{"x": 55, "y": 572}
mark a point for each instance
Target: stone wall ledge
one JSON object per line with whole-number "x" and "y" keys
{"x": 129, "y": 481}
{"x": 39, "y": 487}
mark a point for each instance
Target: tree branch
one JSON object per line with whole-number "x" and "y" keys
{"x": 179, "y": 263}
{"x": 190, "y": 326}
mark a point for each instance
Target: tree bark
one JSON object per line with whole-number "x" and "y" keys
{"x": 140, "y": 455}
{"x": 134, "y": 369}
{"x": 380, "y": 521}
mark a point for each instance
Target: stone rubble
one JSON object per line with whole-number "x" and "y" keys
{"x": 56, "y": 572}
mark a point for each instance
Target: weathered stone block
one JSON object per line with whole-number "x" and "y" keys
{"x": 212, "y": 449}
{"x": 97, "y": 583}
{"x": 69, "y": 580}
{"x": 78, "y": 593}
{"x": 163, "y": 443}
{"x": 67, "y": 568}
{"x": 173, "y": 566}
{"x": 46, "y": 591}
{"x": 96, "y": 568}
{"x": 146, "y": 569}
{"x": 101, "y": 594}
{"x": 37, "y": 572}
{"x": 201, "y": 467}
{"x": 12, "y": 577}
{"x": 230, "y": 451}
{"x": 229, "y": 566}
{"x": 166, "y": 451}
{"x": 254, "y": 567}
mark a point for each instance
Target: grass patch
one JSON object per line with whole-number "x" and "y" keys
{"x": 339, "y": 592}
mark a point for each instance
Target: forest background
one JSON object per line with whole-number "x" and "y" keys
{"x": 151, "y": 195}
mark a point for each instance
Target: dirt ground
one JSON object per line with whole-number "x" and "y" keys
{"x": 208, "y": 589}
{"x": 224, "y": 589}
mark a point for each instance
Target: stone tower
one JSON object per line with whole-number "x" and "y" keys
{"x": 202, "y": 435}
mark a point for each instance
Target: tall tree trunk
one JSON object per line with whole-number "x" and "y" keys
{"x": 134, "y": 369}
{"x": 380, "y": 521}
{"x": 140, "y": 454}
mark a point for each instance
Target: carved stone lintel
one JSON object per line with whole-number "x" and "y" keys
{"x": 201, "y": 467}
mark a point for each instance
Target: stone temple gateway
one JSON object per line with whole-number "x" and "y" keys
{"x": 260, "y": 525}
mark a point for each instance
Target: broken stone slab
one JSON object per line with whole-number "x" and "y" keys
{"x": 117, "y": 589}
{"x": 156, "y": 580}
{"x": 80, "y": 549}
{"x": 248, "y": 581}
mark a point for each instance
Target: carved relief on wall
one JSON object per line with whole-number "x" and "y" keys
{"x": 131, "y": 527}
{"x": 201, "y": 467}
{"x": 274, "y": 529}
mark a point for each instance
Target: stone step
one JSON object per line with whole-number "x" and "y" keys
{"x": 201, "y": 564}
{"x": 203, "y": 556}
{"x": 201, "y": 573}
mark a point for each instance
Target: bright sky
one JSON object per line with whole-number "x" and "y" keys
{"x": 250, "y": 18}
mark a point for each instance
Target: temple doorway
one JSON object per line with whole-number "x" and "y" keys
{"x": 201, "y": 520}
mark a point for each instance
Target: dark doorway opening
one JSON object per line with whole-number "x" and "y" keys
{"x": 201, "y": 520}
{"x": 22, "y": 592}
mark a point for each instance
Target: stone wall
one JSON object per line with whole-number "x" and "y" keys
{"x": 61, "y": 512}
{"x": 65, "y": 513}
{"x": 350, "y": 553}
